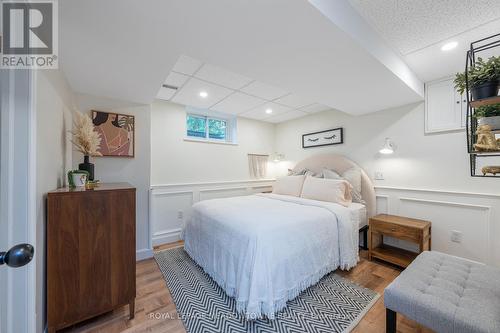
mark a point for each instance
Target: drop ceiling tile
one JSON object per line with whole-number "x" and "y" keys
{"x": 293, "y": 101}
{"x": 165, "y": 93}
{"x": 263, "y": 90}
{"x": 287, "y": 116}
{"x": 237, "y": 103}
{"x": 176, "y": 79}
{"x": 189, "y": 94}
{"x": 313, "y": 108}
{"x": 222, "y": 77}
{"x": 260, "y": 112}
{"x": 187, "y": 65}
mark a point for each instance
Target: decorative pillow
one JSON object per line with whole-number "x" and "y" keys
{"x": 353, "y": 176}
{"x": 289, "y": 185}
{"x": 305, "y": 172}
{"x": 330, "y": 174}
{"x": 331, "y": 190}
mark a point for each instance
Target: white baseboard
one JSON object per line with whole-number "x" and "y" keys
{"x": 143, "y": 254}
{"x": 166, "y": 237}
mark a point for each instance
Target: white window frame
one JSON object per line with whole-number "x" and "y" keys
{"x": 207, "y": 134}
{"x": 230, "y": 137}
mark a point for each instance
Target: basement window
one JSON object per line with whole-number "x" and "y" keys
{"x": 208, "y": 128}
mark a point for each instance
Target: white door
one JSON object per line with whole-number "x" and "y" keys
{"x": 17, "y": 214}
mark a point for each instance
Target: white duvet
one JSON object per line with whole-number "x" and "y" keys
{"x": 265, "y": 249}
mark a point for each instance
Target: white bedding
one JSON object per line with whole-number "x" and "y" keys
{"x": 358, "y": 214}
{"x": 265, "y": 249}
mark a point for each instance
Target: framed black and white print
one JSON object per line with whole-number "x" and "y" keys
{"x": 324, "y": 138}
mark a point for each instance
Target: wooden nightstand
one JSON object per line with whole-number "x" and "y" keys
{"x": 412, "y": 230}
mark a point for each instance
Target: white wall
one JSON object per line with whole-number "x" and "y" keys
{"x": 427, "y": 177}
{"x": 54, "y": 102}
{"x": 174, "y": 160}
{"x": 135, "y": 171}
{"x": 184, "y": 172}
{"x": 437, "y": 161}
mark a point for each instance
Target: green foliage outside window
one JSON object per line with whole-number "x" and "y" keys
{"x": 197, "y": 127}
{"x": 217, "y": 129}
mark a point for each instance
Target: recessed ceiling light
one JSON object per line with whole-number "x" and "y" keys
{"x": 449, "y": 46}
{"x": 203, "y": 94}
{"x": 269, "y": 111}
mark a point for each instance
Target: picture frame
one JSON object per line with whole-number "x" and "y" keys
{"x": 329, "y": 137}
{"x": 117, "y": 133}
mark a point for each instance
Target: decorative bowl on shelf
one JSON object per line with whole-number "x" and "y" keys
{"x": 490, "y": 169}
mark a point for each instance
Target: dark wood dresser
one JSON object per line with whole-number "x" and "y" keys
{"x": 90, "y": 252}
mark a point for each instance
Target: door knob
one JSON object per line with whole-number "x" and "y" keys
{"x": 18, "y": 255}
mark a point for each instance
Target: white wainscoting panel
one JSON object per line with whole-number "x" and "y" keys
{"x": 168, "y": 210}
{"x": 216, "y": 193}
{"x": 382, "y": 204}
{"x": 475, "y": 215}
{"x": 171, "y": 204}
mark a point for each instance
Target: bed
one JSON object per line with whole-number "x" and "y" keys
{"x": 265, "y": 249}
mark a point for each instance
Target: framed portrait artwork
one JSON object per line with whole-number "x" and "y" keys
{"x": 117, "y": 133}
{"x": 324, "y": 138}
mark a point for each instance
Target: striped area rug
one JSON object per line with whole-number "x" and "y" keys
{"x": 334, "y": 304}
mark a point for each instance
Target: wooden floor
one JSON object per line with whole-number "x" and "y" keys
{"x": 155, "y": 309}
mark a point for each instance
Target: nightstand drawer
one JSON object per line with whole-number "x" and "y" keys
{"x": 396, "y": 231}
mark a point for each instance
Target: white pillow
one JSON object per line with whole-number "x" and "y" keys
{"x": 305, "y": 172}
{"x": 353, "y": 176}
{"x": 289, "y": 185}
{"x": 330, "y": 174}
{"x": 332, "y": 190}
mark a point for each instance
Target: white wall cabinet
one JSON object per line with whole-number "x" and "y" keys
{"x": 445, "y": 108}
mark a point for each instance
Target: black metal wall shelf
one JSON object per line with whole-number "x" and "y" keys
{"x": 476, "y": 171}
{"x": 485, "y": 153}
{"x": 471, "y": 124}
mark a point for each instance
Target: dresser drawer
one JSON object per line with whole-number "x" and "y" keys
{"x": 396, "y": 230}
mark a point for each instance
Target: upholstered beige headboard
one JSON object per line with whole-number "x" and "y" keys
{"x": 340, "y": 164}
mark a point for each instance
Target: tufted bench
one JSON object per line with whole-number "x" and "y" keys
{"x": 446, "y": 294}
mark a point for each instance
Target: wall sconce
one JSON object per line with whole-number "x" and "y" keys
{"x": 278, "y": 157}
{"x": 388, "y": 148}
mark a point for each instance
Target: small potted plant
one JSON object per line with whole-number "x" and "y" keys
{"x": 488, "y": 115}
{"x": 483, "y": 78}
{"x": 77, "y": 178}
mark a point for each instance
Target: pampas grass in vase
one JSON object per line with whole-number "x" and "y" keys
{"x": 85, "y": 140}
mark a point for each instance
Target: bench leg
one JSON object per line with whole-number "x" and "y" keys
{"x": 390, "y": 321}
